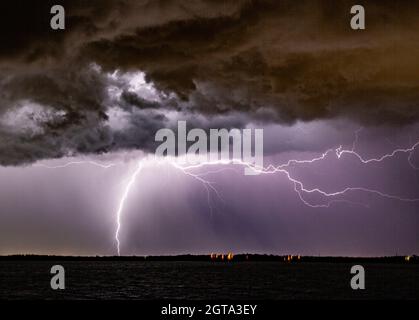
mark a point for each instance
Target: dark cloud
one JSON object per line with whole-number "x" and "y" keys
{"x": 302, "y": 60}
{"x": 278, "y": 61}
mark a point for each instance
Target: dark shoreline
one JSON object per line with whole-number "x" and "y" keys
{"x": 237, "y": 258}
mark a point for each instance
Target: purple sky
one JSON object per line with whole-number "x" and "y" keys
{"x": 72, "y": 210}
{"x": 100, "y": 90}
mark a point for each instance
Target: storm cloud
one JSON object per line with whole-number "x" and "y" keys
{"x": 123, "y": 69}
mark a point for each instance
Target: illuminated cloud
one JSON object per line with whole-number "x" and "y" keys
{"x": 255, "y": 61}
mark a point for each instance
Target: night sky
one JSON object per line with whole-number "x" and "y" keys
{"x": 97, "y": 92}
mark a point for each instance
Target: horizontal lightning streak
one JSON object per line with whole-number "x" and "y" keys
{"x": 72, "y": 163}
{"x": 299, "y": 187}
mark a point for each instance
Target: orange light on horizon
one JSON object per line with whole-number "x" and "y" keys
{"x": 221, "y": 256}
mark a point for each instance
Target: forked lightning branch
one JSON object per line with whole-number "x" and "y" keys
{"x": 234, "y": 148}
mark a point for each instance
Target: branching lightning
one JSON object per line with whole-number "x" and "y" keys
{"x": 299, "y": 188}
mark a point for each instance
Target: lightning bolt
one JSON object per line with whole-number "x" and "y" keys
{"x": 340, "y": 152}
{"x": 283, "y": 169}
{"x": 122, "y": 203}
{"x": 73, "y": 163}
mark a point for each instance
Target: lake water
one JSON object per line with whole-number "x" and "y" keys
{"x": 205, "y": 280}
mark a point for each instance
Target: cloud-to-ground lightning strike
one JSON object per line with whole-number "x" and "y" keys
{"x": 299, "y": 187}
{"x": 122, "y": 202}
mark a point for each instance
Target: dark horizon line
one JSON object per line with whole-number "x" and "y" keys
{"x": 219, "y": 258}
